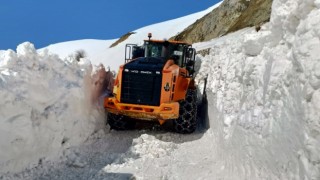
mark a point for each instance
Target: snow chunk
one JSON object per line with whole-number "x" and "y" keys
{"x": 147, "y": 145}
{"x": 143, "y": 148}
{"x": 26, "y": 49}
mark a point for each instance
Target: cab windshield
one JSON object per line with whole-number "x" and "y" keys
{"x": 165, "y": 50}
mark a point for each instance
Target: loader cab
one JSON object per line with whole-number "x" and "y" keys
{"x": 181, "y": 53}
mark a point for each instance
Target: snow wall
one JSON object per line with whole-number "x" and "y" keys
{"x": 45, "y": 107}
{"x": 264, "y": 98}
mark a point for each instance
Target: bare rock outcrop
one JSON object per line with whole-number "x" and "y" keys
{"x": 230, "y": 16}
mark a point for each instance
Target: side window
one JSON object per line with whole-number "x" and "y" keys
{"x": 137, "y": 52}
{"x": 177, "y": 55}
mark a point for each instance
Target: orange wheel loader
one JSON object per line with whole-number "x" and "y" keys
{"x": 155, "y": 84}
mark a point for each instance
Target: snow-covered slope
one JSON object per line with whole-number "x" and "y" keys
{"x": 99, "y": 51}
{"x": 262, "y": 113}
{"x": 91, "y": 47}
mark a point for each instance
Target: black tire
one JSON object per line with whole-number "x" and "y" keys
{"x": 187, "y": 121}
{"x": 120, "y": 122}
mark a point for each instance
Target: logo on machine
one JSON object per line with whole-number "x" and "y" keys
{"x": 134, "y": 71}
{"x": 167, "y": 87}
{"x": 145, "y": 72}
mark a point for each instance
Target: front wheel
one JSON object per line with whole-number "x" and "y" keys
{"x": 187, "y": 121}
{"x": 120, "y": 122}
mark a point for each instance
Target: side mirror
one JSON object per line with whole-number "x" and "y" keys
{"x": 130, "y": 52}
{"x": 189, "y": 60}
{"x": 190, "y": 52}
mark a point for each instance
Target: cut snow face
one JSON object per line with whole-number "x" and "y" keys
{"x": 45, "y": 106}
{"x": 264, "y": 106}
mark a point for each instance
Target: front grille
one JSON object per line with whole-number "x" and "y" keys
{"x": 141, "y": 87}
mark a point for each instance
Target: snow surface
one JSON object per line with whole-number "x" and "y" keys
{"x": 261, "y": 118}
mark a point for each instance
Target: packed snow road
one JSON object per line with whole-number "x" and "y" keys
{"x": 140, "y": 154}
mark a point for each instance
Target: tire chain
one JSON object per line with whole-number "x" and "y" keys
{"x": 187, "y": 121}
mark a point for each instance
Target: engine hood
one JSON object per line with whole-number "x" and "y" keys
{"x": 146, "y": 63}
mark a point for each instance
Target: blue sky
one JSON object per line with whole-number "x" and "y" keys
{"x": 45, "y": 22}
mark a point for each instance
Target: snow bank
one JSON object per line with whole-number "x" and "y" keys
{"x": 45, "y": 107}
{"x": 264, "y": 108}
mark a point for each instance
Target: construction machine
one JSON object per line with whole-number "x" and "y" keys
{"x": 156, "y": 83}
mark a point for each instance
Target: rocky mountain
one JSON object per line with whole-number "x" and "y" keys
{"x": 230, "y": 16}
